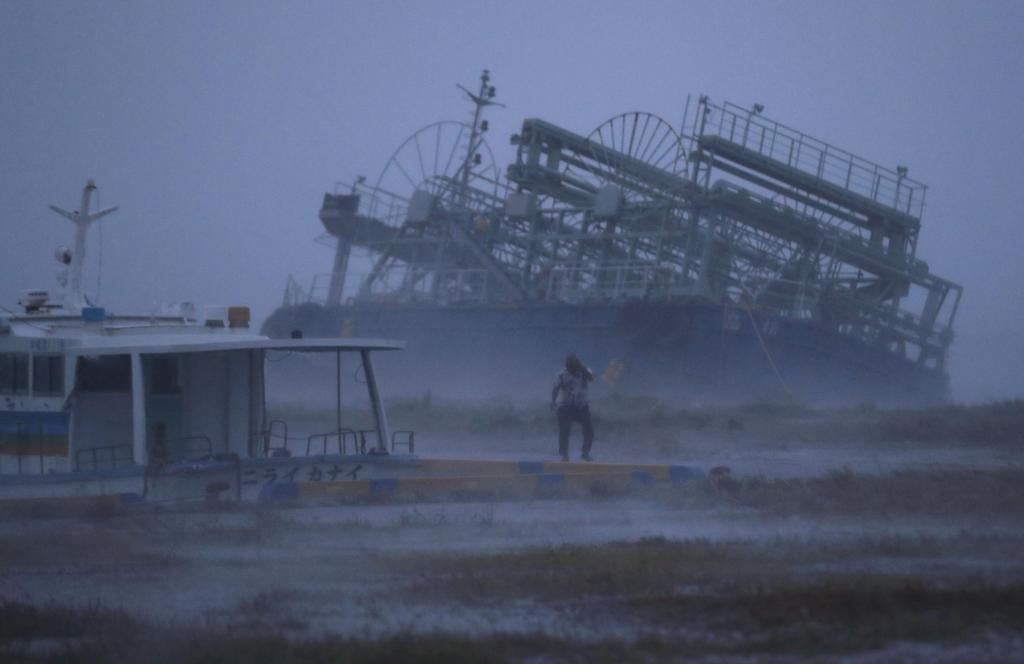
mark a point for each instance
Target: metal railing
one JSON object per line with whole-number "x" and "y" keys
{"x": 274, "y": 441}
{"x": 817, "y": 158}
{"x": 22, "y": 456}
{"x": 104, "y": 454}
{"x": 263, "y": 442}
{"x": 381, "y": 204}
{"x": 294, "y": 294}
{"x": 191, "y": 443}
{"x": 341, "y": 436}
{"x": 574, "y": 284}
{"x": 408, "y": 439}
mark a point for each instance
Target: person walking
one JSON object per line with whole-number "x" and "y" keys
{"x": 569, "y": 399}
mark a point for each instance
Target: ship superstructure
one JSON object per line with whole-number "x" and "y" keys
{"x": 162, "y": 404}
{"x": 745, "y": 251}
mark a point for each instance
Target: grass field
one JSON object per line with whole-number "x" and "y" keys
{"x": 912, "y": 560}
{"x": 995, "y": 423}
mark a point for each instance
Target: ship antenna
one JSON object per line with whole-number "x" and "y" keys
{"x": 481, "y": 100}
{"x": 74, "y": 298}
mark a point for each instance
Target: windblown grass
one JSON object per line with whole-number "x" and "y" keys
{"x": 1000, "y": 423}
{"x": 657, "y": 567}
{"x": 941, "y": 493}
{"x": 814, "y": 620}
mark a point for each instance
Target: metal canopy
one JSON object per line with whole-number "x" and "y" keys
{"x": 196, "y": 345}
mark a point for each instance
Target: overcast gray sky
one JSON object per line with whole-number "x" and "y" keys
{"x": 217, "y": 126}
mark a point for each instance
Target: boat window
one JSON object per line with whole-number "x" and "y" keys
{"x": 106, "y": 373}
{"x": 164, "y": 375}
{"x": 48, "y": 374}
{"x": 13, "y": 373}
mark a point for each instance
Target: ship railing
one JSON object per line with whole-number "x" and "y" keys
{"x": 109, "y": 456}
{"x": 456, "y": 286}
{"x": 574, "y": 284}
{"x": 806, "y": 299}
{"x": 33, "y": 451}
{"x": 815, "y": 157}
{"x": 396, "y": 283}
{"x": 377, "y": 203}
{"x": 294, "y": 294}
{"x": 486, "y": 199}
{"x": 406, "y": 438}
{"x": 907, "y": 325}
{"x": 276, "y": 430}
{"x": 320, "y": 286}
{"x": 461, "y": 286}
{"x": 324, "y": 439}
{"x": 195, "y": 446}
{"x": 26, "y": 463}
{"x": 316, "y": 293}
{"x": 829, "y": 231}
{"x": 38, "y": 463}
{"x": 360, "y": 439}
{"x": 274, "y": 441}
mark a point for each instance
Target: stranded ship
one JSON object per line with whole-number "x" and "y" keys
{"x": 734, "y": 259}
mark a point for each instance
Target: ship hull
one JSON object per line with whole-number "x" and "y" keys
{"x": 683, "y": 352}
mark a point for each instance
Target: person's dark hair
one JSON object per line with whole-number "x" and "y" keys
{"x": 573, "y": 364}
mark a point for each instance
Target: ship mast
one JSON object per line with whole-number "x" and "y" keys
{"x": 481, "y": 100}
{"x": 74, "y": 298}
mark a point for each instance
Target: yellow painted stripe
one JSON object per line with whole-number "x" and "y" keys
{"x": 519, "y": 485}
{"x": 343, "y": 488}
{"x": 659, "y": 472}
{"x": 469, "y": 466}
{"x": 592, "y": 480}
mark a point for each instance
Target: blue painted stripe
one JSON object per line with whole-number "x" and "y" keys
{"x": 278, "y": 491}
{"x": 684, "y": 473}
{"x": 72, "y": 477}
{"x": 33, "y": 420}
{"x": 349, "y": 461}
{"x": 384, "y": 485}
{"x": 131, "y": 499}
{"x": 531, "y": 467}
{"x": 641, "y": 477}
{"x": 550, "y": 480}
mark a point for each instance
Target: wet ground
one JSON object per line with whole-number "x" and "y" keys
{"x": 860, "y": 551}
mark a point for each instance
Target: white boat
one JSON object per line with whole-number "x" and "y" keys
{"x": 171, "y": 407}
{"x": 162, "y": 406}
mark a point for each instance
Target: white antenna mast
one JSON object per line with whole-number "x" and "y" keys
{"x": 481, "y": 100}
{"x": 74, "y": 298}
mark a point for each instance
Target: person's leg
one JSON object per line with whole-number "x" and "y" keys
{"x": 588, "y": 430}
{"x": 564, "y": 427}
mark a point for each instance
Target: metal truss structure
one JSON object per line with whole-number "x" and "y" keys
{"x": 738, "y": 210}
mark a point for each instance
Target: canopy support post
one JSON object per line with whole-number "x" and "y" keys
{"x": 378, "y": 408}
{"x": 337, "y": 394}
{"x": 138, "y": 411}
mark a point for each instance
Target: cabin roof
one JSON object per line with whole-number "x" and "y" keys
{"x": 183, "y": 344}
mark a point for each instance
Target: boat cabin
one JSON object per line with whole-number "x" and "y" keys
{"x": 100, "y": 403}
{"x": 84, "y": 391}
